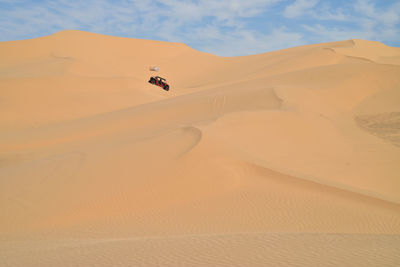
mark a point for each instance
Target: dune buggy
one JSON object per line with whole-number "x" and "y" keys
{"x": 160, "y": 82}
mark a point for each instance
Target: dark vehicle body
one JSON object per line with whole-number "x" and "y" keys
{"x": 160, "y": 82}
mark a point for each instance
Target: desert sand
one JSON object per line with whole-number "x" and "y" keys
{"x": 287, "y": 158}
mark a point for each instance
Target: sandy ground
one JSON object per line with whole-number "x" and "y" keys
{"x": 288, "y": 158}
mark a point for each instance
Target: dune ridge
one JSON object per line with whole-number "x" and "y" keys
{"x": 290, "y": 157}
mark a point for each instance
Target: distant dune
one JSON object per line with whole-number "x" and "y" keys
{"x": 287, "y": 158}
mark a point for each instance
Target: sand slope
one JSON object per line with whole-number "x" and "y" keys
{"x": 287, "y": 158}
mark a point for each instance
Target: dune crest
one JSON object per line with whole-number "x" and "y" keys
{"x": 246, "y": 161}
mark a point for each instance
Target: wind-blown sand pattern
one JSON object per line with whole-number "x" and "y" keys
{"x": 288, "y": 158}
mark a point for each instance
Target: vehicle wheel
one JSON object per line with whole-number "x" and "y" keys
{"x": 166, "y": 87}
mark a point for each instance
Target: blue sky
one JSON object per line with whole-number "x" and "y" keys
{"x": 222, "y": 27}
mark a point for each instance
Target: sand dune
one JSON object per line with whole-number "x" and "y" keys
{"x": 288, "y": 158}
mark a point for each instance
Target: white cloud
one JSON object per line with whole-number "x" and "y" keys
{"x": 230, "y": 27}
{"x": 336, "y": 34}
{"x": 299, "y": 7}
{"x": 145, "y": 14}
{"x": 365, "y": 7}
{"x": 327, "y": 13}
{"x": 247, "y": 42}
{"x": 202, "y": 23}
{"x": 363, "y": 19}
{"x": 51, "y": 16}
{"x": 389, "y": 16}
